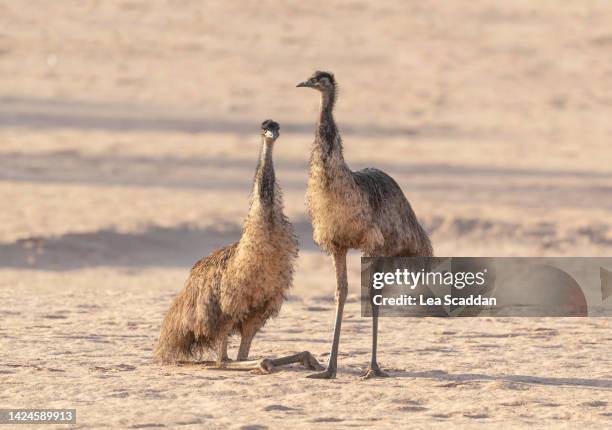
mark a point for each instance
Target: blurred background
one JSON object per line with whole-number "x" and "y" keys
{"x": 124, "y": 121}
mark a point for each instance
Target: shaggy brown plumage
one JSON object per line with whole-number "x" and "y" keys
{"x": 363, "y": 209}
{"x": 236, "y": 289}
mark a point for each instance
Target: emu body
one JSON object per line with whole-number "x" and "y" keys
{"x": 364, "y": 210}
{"x": 236, "y": 289}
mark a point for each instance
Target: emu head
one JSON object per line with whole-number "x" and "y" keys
{"x": 322, "y": 81}
{"x": 270, "y": 130}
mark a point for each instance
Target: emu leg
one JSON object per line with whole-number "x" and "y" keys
{"x": 247, "y": 332}
{"x": 341, "y": 292}
{"x": 245, "y": 346}
{"x": 268, "y": 365}
{"x": 222, "y": 351}
{"x": 304, "y": 357}
{"x": 374, "y": 369}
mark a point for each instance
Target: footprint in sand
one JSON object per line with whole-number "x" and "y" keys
{"x": 279, "y": 408}
{"x": 55, "y": 316}
{"x": 514, "y": 403}
{"x": 119, "y": 395}
{"x": 190, "y": 423}
{"x": 410, "y": 403}
{"x": 412, "y": 409}
{"x": 595, "y": 404}
{"x": 327, "y": 420}
{"x": 470, "y": 385}
{"x": 476, "y": 415}
{"x": 431, "y": 349}
{"x": 549, "y": 405}
{"x": 118, "y": 368}
{"x": 153, "y": 394}
{"x": 442, "y": 416}
{"x": 10, "y": 313}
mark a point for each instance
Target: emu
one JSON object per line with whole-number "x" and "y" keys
{"x": 363, "y": 210}
{"x": 236, "y": 289}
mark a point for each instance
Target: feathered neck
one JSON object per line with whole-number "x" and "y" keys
{"x": 263, "y": 197}
{"x": 327, "y": 137}
{"x": 326, "y": 157}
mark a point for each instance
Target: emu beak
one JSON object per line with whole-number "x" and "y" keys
{"x": 270, "y": 134}
{"x": 303, "y": 84}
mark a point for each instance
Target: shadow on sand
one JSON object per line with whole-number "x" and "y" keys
{"x": 442, "y": 181}
{"x": 179, "y": 246}
{"x": 466, "y": 378}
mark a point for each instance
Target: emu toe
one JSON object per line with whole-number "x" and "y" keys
{"x": 374, "y": 372}
{"x": 326, "y": 374}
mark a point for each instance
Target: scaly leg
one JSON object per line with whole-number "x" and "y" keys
{"x": 266, "y": 365}
{"x": 222, "y": 351}
{"x": 374, "y": 369}
{"x": 304, "y": 357}
{"x": 341, "y": 292}
{"x": 245, "y": 346}
{"x": 247, "y": 331}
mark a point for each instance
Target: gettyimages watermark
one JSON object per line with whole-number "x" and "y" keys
{"x": 483, "y": 286}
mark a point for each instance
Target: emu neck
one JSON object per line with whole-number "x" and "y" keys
{"x": 263, "y": 200}
{"x": 327, "y": 135}
{"x": 327, "y": 156}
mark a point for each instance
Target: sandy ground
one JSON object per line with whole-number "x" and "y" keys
{"x": 128, "y": 140}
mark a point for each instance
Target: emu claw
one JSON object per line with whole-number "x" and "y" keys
{"x": 375, "y": 372}
{"x": 326, "y": 374}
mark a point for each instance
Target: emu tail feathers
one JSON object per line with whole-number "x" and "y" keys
{"x": 183, "y": 337}
{"x": 420, "y": 246}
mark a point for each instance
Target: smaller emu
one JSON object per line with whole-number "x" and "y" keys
{"x": 236, "y": 289}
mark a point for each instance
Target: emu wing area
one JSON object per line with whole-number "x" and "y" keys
{"x": 378, "y": 186}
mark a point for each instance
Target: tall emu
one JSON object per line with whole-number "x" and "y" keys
{"x": 364, "y": 210}
{"x": 236, "y": 288}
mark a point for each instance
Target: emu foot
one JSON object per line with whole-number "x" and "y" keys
{"x": 374, "y": 372}
{"x": 326, "y": 374}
